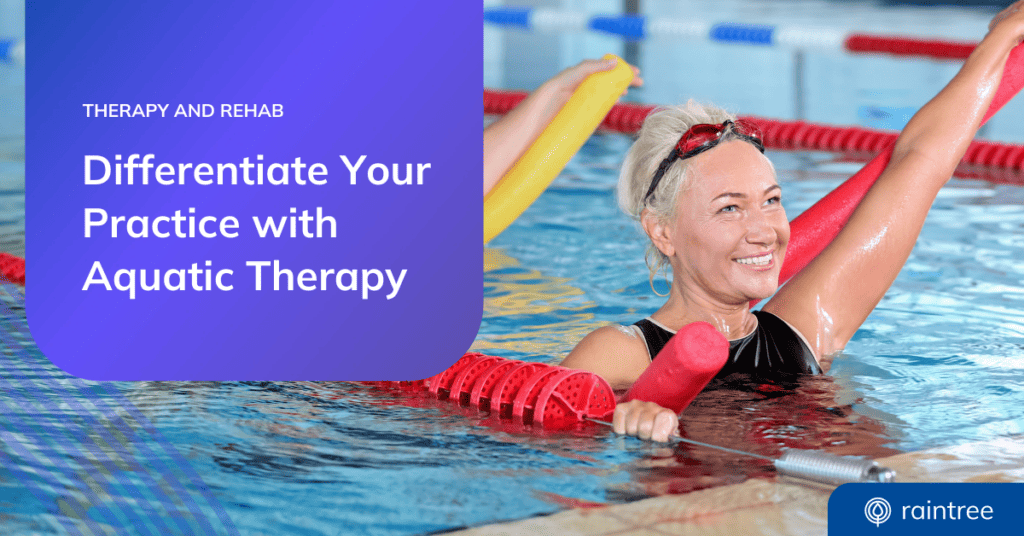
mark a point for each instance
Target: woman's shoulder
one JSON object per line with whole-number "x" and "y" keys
{"x": 616, "y": 353}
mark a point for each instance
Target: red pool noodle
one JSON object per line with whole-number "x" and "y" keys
{"x": 683, "y": 368}
{"x": 817, "y": 226}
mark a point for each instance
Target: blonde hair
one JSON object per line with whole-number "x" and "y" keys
{"x": 659, "y": 134}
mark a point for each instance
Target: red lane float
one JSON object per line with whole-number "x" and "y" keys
{"x": 530, "y": 393}
{"x": 12, "y": 268}
{"x": 441, "y": 384}
{"x": 909, "y": 46}
{"x": 525, "y": 400}
{"x": 683, "y": 368}
{"x": 506, "y": 389}
{"x": 568, "y": 390}
{"x": 480, "y": 395}
{"x": 462, "y": 387}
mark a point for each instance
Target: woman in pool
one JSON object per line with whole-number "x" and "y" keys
{"x": 709, "y": 201}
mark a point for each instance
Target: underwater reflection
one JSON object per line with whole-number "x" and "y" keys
{"x": 528, "y": 312}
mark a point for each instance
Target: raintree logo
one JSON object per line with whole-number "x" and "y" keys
{"x": 935, "y": 509}
{"x": 877, "y": 510}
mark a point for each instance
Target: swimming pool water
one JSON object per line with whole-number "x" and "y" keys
{"x": 938, "y": 363}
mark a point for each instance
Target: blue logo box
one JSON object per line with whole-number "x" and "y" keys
{"x": 933, "y": 509}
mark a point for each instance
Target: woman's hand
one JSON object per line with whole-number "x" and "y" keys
{"x": 569, "y": 79}
{"x": 645, "y": 420}
{"x": 1014, "y": 11}
{"x": 561, "y": 86}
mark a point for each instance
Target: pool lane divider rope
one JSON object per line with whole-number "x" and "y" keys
{"x": 531, "y": 393}
{"x": 789, "y": 135}
{"x": 637, "y": 28}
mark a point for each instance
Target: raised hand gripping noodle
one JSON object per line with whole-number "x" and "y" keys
{"x": 549, "y": 154}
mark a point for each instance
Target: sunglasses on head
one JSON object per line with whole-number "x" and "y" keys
{"x": 700, "y": 138}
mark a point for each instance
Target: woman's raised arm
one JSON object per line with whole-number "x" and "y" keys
{"x": 830, "y": 298}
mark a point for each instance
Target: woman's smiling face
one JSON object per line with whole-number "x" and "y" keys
{"x": 730, "y": 234}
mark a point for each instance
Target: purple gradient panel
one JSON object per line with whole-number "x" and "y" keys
{"x": 400, "y": 84}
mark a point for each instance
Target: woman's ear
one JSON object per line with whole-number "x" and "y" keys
{"x": 659, "y": 231}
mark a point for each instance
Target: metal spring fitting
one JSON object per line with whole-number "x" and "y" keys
{"x": 831, "y": 469}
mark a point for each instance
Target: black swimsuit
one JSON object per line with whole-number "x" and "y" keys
{"x": 773, "y": 349}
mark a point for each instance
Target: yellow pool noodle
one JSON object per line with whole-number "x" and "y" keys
{"x": 549, "y": 154}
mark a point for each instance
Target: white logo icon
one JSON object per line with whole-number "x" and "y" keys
{"x": 877, "y": 510}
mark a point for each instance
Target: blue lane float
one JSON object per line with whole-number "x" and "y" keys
{"x": 753, "y": 34}
{"x": 518, "y": 17}
{"x": 12, "y": 51}
{"x": 630, "y": 27}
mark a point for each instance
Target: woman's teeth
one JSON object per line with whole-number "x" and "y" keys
{"x": 763, "y": 260}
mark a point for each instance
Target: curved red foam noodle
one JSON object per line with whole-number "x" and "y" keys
{"x": 526, "y": 398}
{"x": 571, "y": 396}
{"x": 440, "y": 384}
{"x": 509, "y": 385}
{"x": 483, "y": 389}
{"x": 682, "y": 368}
{"x": 463, "y": 383}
